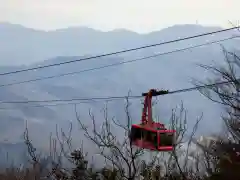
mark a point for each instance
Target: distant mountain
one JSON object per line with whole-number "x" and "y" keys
{"x": 25, "y": 48}
{"x": 30, "y": 46}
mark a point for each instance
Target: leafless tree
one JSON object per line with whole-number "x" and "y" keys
{"x": 228, "y": 94}
{"x": 178, "y": 162}
{"x": 227, "y": 148}
{"x": 120, "y": 155}
{"x": 126, "y": 158}
{"x": 57, "y": 170}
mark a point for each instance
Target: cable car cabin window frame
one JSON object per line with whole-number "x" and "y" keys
{"x": 148, "y": 135}
{"x": 164, "y": 146}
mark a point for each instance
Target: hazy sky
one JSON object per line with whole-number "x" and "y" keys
{"x": 136, "y": 15}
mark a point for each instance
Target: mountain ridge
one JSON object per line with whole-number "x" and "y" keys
{"x": 10, "y": 25}
{"x": 31, "y": 46}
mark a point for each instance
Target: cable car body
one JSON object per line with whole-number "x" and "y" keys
{"x": 149, "y": 134}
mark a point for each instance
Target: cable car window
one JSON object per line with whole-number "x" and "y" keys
{"x": 166, "y": 139}
{"x": 136, "y": 133}
{"x": 149, "y": 136}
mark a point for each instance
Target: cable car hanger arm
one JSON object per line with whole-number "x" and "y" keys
{"x": 154, "y": 92}
{"x": 147, "y": 109}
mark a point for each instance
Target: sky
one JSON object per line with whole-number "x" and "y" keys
{"x": 137, "y": 15}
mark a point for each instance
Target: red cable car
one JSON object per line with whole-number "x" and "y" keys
{"x": 149, "y": 134}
